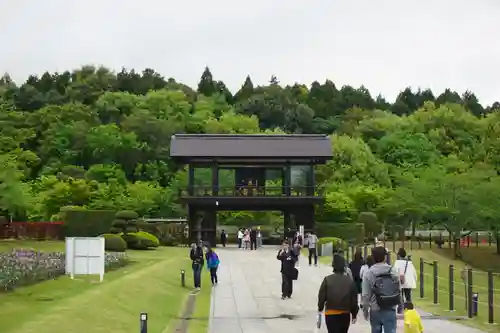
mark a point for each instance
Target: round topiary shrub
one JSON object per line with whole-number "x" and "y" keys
{"x": 337, "y": 242}
{"x": 133, "y": 241}
{"x": 127, "y": 215}
{"x": 114, "y": 243}
{"x": 148, "y": 239}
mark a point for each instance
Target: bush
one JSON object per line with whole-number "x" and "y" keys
{"x": 133, "y": 241}
{"x": 351, "y": 232}
{"x": 140, "y": 240}
{"x": 148, "y": 239}
{"x": 114, "y": 243}
{"x": 439, "y": 242}
{"x": 337, "y": 242}
{"x": 169, "y": 240}
{"x": 125, "y": 221}
{"x": 79, "y": 222}
{"x": 127, "y": 215}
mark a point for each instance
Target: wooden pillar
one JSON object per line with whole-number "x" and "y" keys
{"x": 310, "y": 181}
{"x": 191, "y": 180}
{"x": 194, "y": 225}
{"x": 215, "y": 179}
{"x": 288, "y": 179}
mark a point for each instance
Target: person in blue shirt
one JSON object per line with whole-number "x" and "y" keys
{"x": 212, "y": 264}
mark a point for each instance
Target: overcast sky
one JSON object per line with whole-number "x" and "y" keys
{"x": 385, "y": 45}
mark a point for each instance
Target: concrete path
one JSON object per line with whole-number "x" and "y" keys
{"x": 248, "y": 298}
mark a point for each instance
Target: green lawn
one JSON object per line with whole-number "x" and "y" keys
{"x": 444, "y": 258}
{"x": 150, "y": 284}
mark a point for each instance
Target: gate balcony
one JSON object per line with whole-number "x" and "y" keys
{"x": 243, "y": 197}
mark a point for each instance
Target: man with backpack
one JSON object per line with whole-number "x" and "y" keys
{"x": 381, "y": 293}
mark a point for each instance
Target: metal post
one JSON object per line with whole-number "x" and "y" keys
{"x": 183, "y": 278}
{"x": 491, "y": 316}
{"x": 469, "y": 293}
{"x": 144, "y": 322}
{"x": 452, "y": 288}
{"x": 421, "y": 278}
{"x": 435, "y": 281}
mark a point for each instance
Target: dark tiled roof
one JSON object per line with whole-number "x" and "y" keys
{"x": 251, "y": 146}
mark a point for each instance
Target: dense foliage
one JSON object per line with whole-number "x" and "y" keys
{"x": 98, "y": 139}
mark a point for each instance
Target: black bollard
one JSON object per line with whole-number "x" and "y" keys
{"x": 491, "y": 317}
{"x": 470, "y": 300}
{"x": 435, "y": 281}
{"x": 452, "y": 288}
{"x": 421, "y": 278}
{"x": 183, "y": 278}
{"x": 144, "y": 323}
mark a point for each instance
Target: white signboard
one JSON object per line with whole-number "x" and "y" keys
{"x": 85, "y": 256}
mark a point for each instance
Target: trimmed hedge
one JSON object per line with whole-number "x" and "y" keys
{"x": 86, "y": 223}
{"x": 140, "y": 240}
{"x": 114, "y": 243}
{"x": 337, "y": 242}
{"x": 349, "y": 232}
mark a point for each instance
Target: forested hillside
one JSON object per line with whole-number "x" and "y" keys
{"x": 98, "y": 139}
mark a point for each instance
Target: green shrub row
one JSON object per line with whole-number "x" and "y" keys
{"x": 140, "y": 240}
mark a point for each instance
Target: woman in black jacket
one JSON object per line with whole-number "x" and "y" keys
{"x": 355, "y": 266}
{"x": 338, "y": 297}
{"x": 289, "y": 273}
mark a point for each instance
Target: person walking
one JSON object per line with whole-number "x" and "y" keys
{"x": 212, "y": 264}
{"x": 366, "y": 267}
{"x": 338, "y": 252}
{"x": 253, "y": 239}
{"x": 297, "y": 248}
{"x": 381, "y": 294}
{"x": 197, "y": 260}
{"x": 223, "y": 238}
{"x": 288, "y": 270}
{"x": 240, "y": 238}
{"x": 246, "y": 239}
{"x": 407, "y": 276}
{"x": 311, "y": 243}
{"x": 412, "y": 320}
{"x": 338, "y": 297}
{"x": 355, "y": 267}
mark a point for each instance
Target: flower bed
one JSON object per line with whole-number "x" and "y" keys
{"x": 24, "y": 267}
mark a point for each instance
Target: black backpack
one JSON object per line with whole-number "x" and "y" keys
{"x": 386, "y": 290}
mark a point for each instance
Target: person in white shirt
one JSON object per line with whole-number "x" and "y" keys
{"x": 240, "y": 238}
{"x": 407, "y": 273}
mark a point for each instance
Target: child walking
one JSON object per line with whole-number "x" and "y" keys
{"x": 212, "y": 264}
{"x": 412, "y": 320}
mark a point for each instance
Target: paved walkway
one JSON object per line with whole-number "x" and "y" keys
{"x": 248, "y": 298}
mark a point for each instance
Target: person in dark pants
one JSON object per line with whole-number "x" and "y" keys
{"x": 196, "y": 256}
{"x": 338, "y": 297}
{"x": 288, "y": 270}
{"x": 253, "y": 239}
{"x": 212, "y": 264}
{"x": 311, "y": 243}
{"x": 223, "y": 238}
{"x": 355, "y": 266}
